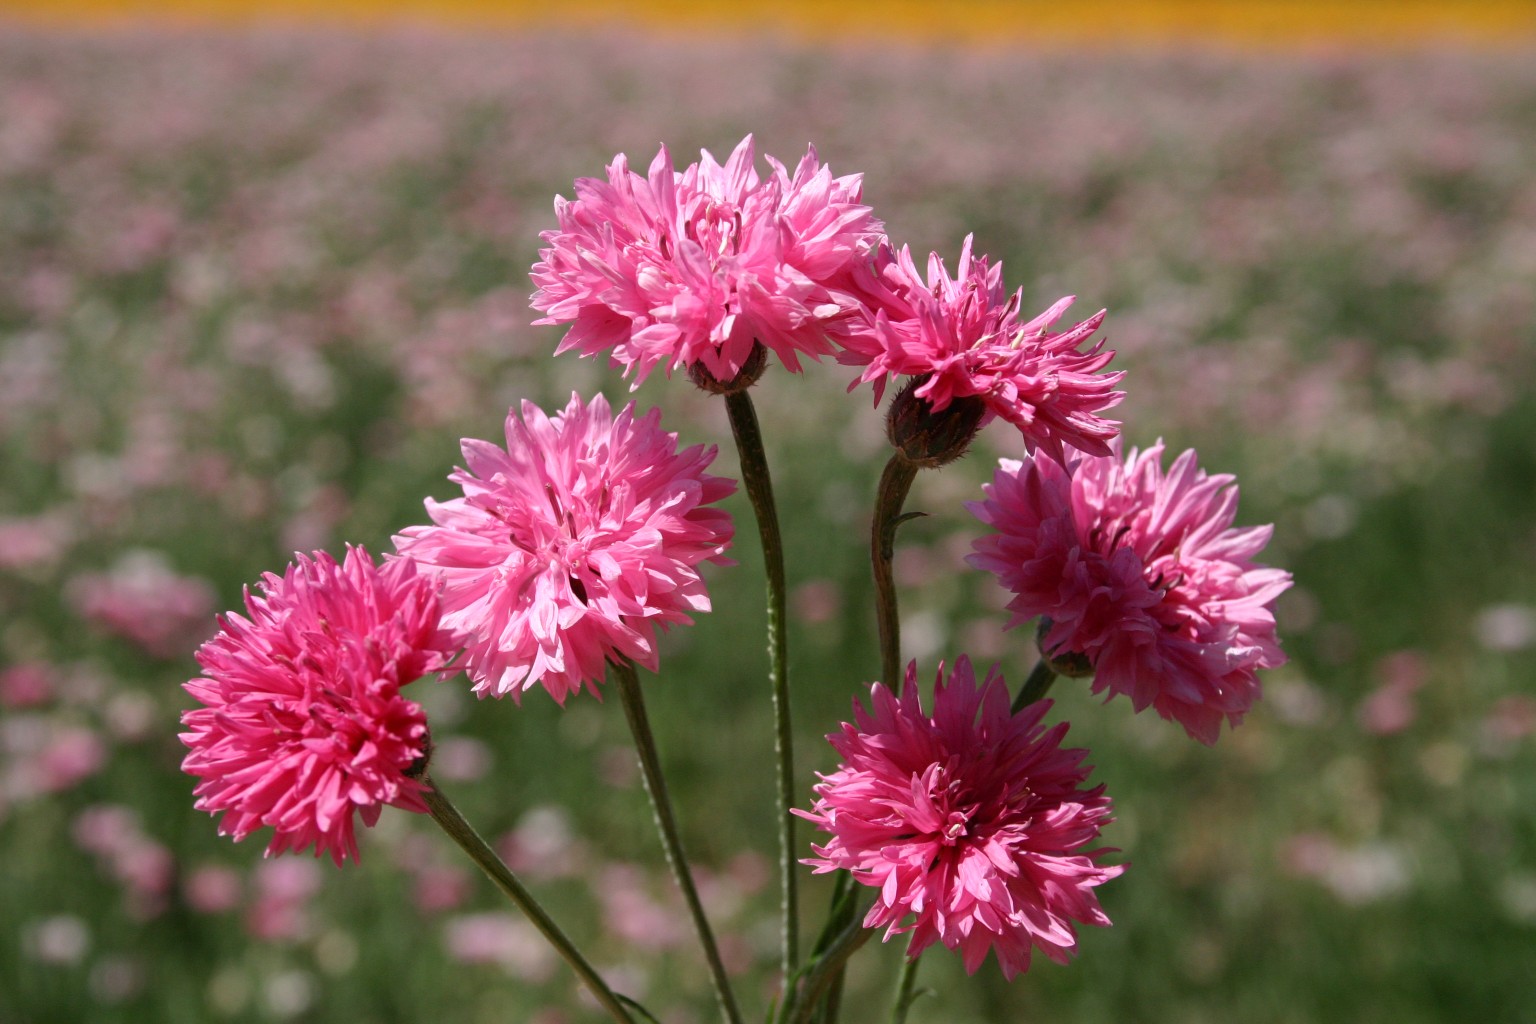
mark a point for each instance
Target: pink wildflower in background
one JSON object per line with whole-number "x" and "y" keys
{"x": 34, "y": 542}
{"x": 571, "y": 546}
{"x": 439, "y": 887}
{"x": 43, "y": 754}
{"x": 501, "y": 940}
{"x": 544, "y": 845}
{"x": 962, "y": 336}
{"x": 971, "y": 822}
{"x": 146, "y": 602}
{"x": 144, "y": 868}
{"x": 29, "y": 684}
{"x": 283, "y": 894}
{"x": 1143, "y": 573}
{"x": 302, "y": 723}
{"x": 70, "y": 755}
{"x": 697, "y": 266}
{"x": 1391, "y": 707}
{"x": 213, "y": 889}
{"x": 632, "y": 914}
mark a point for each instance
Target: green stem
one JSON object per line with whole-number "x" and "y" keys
{"x": 842, "y": 912}
{"x": 759, "y": 487}
{"x": 460, "y": 831}
{"x": 895, "y": 482}
{"x": 1039, "y": 681}
{"x": 666, "y": 825}
{"x": 832, "y": 1004}
{"x": 904, "y": 987}
{"x": 824, "y": 971}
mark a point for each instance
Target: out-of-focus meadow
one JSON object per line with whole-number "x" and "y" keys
{"x": 253, "y": 289}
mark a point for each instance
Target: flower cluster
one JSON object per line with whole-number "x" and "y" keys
{"x": 703, "y": 267}
{"x": 1143, "y": 573}
{"x": 302, "y": 723}
{"x": 582, "y": 536}
{"x": 971, "y": 822}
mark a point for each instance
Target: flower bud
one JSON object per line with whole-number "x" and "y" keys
{"x": 417, "y": 769}
{"x": 931, "y": 439}
{"x": 751, "y": 370}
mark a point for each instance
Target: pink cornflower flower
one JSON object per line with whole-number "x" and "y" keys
{"x": 696, "y": 267}
{"x": 571, "y": 546}
{"x": 302, "y": 723}
{"x": 962, "y": 337}
{"x": 1142, "y": 573}
{"x": 971, "y": 822}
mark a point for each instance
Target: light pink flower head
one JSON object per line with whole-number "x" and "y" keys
{"x": 571, "y": 546}
{"x": 677, "y": 268}
{"x": 1141, "y": 572}
{"x": 971, "y": 822}
{"x": 302, "y": 722}
{"x": 962, "y": 336}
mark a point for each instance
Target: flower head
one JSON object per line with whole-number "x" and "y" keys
{"x": 571, "y": 545}
{"x": 971, "y": 822}
{"x": 962, "y": 337}
{"x": 302, "y": 722}
{"x": 696, "y": 267}
{"x": 1141, "y": 572}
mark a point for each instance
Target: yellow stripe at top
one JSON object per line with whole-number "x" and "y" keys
{"x": 1253, "y": 23}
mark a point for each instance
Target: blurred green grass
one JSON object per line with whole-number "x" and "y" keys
{"x": 253, "y": 289}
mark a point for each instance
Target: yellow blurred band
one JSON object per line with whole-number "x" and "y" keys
{"x": 1261, "y": 23}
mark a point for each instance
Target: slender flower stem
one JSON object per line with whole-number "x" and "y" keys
{"x": 759, "y": 487}
{"x": 824, "y": 970}
{"x": 904, "y": 986}
{"x": 460, "y": 831}
{"x": 843, "y": 912}
{"x": 1039, "y": 681}
{"x": 895, "y": 482}
{"x": 832, "y": 1002}
{"x": 666, "y": 825}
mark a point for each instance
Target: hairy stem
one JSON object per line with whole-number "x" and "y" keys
{"x": 895, "y": 482}
{"x": 666, "y": 825}
{"x": 460, "y": 831}
{"x": 759, "y": 487}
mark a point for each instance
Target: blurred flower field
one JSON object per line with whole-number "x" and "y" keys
{"x": 254, "y": 288}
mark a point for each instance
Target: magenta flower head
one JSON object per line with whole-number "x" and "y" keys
{"x": 694, "y": 269}
{"x": 571, "y": 546}
{"x": 1142, "y": 573}
{"x": 962, "y": 341}
{"x": 969, "y": 824}
{"x": 303, "y": 724}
